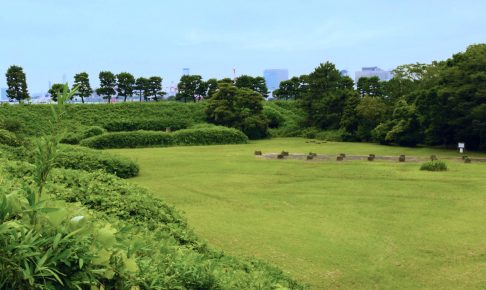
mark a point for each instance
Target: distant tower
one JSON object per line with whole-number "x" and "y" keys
{"x": 185, "y": 71}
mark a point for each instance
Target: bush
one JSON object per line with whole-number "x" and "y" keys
{"x": 91, "y": 160}
{"x": 11, "y": 125}
{"x": 209, "y": 136}
{"x": 310, "y": 133}
{"x": 148, "y": 125}
{"x": 9, "y": 138}
{"x": 435, "y": 165}
{"x": 74, "y": 138}
{"x": 255, "y": 127}
{"x": 274, "y": 117}
{"x": 129, "y": 140}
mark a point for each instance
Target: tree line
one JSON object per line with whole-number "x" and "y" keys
{"x": 441, "y": 103}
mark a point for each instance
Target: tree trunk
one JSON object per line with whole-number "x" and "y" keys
{"x": 82, "y": 99}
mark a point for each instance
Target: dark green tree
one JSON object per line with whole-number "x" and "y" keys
{"x": 154, "y": 88}
{"x": 323, "y": 98}
{"x": 107, "y": 85}
{"x": 190, "y": 87}
{"x": 17, "y": 84}
{"x": 256, "y": 84}
{"x": 57, "y": 90}
{"x": 81, "y": 81}
{"x": 288, "y": 90}
{"x": 141, "y": 88}
{"x": 240, "y": 108}
{"x": 125, "y": 85}
{"x": 371, "y": 86}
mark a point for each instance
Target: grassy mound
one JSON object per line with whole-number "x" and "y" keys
{"x": 107, "y": 232}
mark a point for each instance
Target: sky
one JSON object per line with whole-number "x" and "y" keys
{"x": 55, "y": 39}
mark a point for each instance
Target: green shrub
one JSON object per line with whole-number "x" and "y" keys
{"x": 11, "y": 125}
{"x": 209, "y": 136}
{"x": 255, "y": 127}
{"x": 148, "y": 125}
{"x": 9, "y": 138}
{"x": 310, "y": 133}
{"x": 129, "y": 140}
{"x": 93, "y": 131}
{"x": 274, "y": 117}
{"x": 74, "y": 138}
{"x": 435, "y": 165}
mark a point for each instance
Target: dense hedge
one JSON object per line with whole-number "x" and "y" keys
{"x": 76, "y": 137}
{"x": 204, "y": 136}
{"x": 76, "y": 157}
{"x": 129, "y": 140}
{"x": 209, "y": 136}
{"x": 148, "y": 125}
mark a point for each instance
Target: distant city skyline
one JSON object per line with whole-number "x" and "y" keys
{"x": 54, "y": 39}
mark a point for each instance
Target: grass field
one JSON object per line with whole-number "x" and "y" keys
{"x": 337, "y": 225}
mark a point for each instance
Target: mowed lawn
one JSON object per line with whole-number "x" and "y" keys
{"x": 337, "y": 225}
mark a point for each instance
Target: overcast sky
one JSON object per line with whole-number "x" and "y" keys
{"x": 52, "y": 38}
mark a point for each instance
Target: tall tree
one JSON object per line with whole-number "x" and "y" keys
{"x": 154, "y": 88}
{"x": 190, "y": 87}
{"x": 371, "y": 86}
{"x": 125, "y": 83}
{"x": 141, "y": 88}
{"x": 81, "y": 80}
{"x": 57, "y": 90}
{"x": 107, "y": 85}
{"x": 17, "y": 84}
{"x": 288, "y": 90}
{"x": 324, "y": 97}
{"x": 256, "y": 84}
{"x": 238, "y": 108}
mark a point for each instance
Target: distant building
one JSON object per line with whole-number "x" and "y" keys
{"x": 374, "y": 71}
{"x": 273, "y": 78}
{"x": 344, "y": 73}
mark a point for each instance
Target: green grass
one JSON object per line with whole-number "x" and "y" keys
{"x": 338, "y": 225}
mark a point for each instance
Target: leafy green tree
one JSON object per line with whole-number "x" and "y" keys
{"x": 240, "y": 108}
{"x": 81, "y": 81}
{"x": 350, "y": 120}
{"x": 371, "y": 86}
{"x": 107, "y": 85}
{"x": 212, "y": 87}
{"x": 57, "y": 90}
{"x": 256, "y": 84}
{"x": 323, "y": 98}
{"x": 154, "y": 88}
{"x": 454, "y": 90}
{"x": 406, "y": 127}
{"x": 288, "y": 90}
{"x": 141, "y": 88}
{"x": 190, "y": 87}
{"x": 17, "y": 84}
{"x": 371, "y": 111}
{"x": 125, "y": 85}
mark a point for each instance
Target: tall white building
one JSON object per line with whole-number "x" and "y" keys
{"x": 273, "y": 78}
{"x": 374, "y": 71}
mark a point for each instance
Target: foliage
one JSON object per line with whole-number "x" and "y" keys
{"x": 153, "y": 88}
{"x": 209, "y": 136}
{"x": 17, "y": 84}
{"x": 9, "y": 138}
{"x": 434, "y": 165}
{"x": 55, "y": 91}
{"x": 203, "y": 136}
{"x": 11, "y": 125}
{"x": 76, "y": 137}
{"x": 124, "y": 85}
{"x": 371, "y": 86}
{"x": 190, "y": 87}
{"x": 81, "y": 81}
{"x": 160, "y": 124}
{"x": 107, "y": 85}
{"x": 256, "y": 84}
{"x": 238, "y": 108}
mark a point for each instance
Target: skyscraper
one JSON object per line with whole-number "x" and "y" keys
{"x": 374, "y": 71}
{"x": 273, "y": 78}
